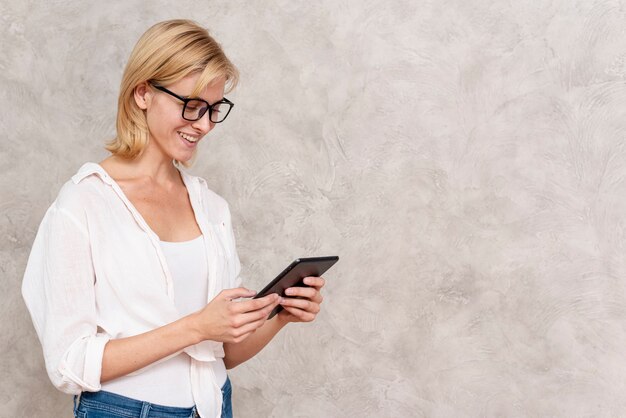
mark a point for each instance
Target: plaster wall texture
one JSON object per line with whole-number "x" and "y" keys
{"x": 466, "y": 160}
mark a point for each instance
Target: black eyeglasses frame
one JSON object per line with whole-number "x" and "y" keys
{"x": 186, "y": 100}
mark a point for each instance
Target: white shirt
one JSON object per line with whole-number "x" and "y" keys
{"x": 169, "y": 382}
{"x": 97, "y": 271}
{"x": 189, "y": 269}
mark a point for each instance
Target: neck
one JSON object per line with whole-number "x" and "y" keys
{"x": 155, "y": 164}
{"x": 152, "y": 165}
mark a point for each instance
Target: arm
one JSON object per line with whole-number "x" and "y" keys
{"x": 237, "y": 353}
{"x": 126, "y": 355}
{"x": 58, "y": 289}
{"x": 304, "y": 309}
{"x": 220, "y": 320}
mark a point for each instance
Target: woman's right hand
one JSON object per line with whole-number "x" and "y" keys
{"x": 232, "y": 321}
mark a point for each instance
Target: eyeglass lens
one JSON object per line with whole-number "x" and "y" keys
{"x": 195, "y": 109}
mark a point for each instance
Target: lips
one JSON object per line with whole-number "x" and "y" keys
{"x": 189, "y": 138}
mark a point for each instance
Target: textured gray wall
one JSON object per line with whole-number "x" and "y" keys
{"x": 466, "y": 160}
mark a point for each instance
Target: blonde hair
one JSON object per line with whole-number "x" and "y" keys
{"x": 166, "y": 53}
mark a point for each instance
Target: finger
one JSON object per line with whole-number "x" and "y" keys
{"x": 250, "y": 327}
{"x": 305, "y": 292}
{"x": 239, "y": 292}
{"x": 304, "y": 304}
{"x": 240, "y": 338}
{"x": 303, "y": 316}
{"x": 316, "y": 282}
{"x": 244, "y": 319}
{"x": 255, "y": 304}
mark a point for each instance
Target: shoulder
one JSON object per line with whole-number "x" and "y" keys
{"x": 83, "y": 191}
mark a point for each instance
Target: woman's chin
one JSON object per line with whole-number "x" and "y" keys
{"x": 186, "y": 159}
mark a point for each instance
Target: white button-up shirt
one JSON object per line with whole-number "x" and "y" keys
{"x": 97, "y": 272}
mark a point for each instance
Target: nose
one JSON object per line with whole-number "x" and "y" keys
{"x": 203, "y": 124}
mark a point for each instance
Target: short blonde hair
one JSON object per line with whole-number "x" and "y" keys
{"x": 165, "y": 53}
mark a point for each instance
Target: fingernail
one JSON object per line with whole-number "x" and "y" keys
{"x": 289, "y": 291}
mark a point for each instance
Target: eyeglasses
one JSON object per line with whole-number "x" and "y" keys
{"x": 194, "y": 109}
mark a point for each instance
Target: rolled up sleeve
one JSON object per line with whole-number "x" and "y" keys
{"x": 59, "y": 291}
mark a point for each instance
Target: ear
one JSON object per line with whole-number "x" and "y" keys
{"x": 143, "y": 95}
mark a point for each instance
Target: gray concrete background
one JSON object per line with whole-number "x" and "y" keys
{"x": 466, "y": 160}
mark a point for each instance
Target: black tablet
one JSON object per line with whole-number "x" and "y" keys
{"x": 292, "y": 276}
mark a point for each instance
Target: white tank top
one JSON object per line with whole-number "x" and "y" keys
{"x": 168, "y": 383}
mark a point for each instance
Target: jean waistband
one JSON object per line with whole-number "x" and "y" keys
{"x": 128, "y": 407}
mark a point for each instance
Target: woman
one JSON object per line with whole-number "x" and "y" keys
{"x": 133, "y": 248}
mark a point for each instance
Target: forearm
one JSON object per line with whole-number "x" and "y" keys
{"x": 126, "y": 355}
{"x": 237, "y": 353}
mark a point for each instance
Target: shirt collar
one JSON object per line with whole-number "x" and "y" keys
{"x": 88, "y": 169}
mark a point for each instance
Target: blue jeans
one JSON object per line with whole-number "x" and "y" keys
{"x": 105, "y": 404}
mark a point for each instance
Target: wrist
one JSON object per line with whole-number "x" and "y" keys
{"x": 281, "y": 320}
{"x": 193, "y": 328}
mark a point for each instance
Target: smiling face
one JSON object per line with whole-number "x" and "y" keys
{"x": 170, "y": 134}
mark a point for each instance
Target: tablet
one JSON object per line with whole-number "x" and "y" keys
{"x": 292, "y": 276}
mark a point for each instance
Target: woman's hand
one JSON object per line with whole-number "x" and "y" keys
{"x": 302, "y": 304}
{"x": 228, "y": 320}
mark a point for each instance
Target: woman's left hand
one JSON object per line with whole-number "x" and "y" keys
{"x": 302, "y": 304}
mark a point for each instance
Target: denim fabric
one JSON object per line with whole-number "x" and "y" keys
{"x": 227, "y": 405}
{"x": 110, "y": 405}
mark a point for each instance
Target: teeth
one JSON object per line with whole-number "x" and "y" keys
{"x": 188, "y": 138}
